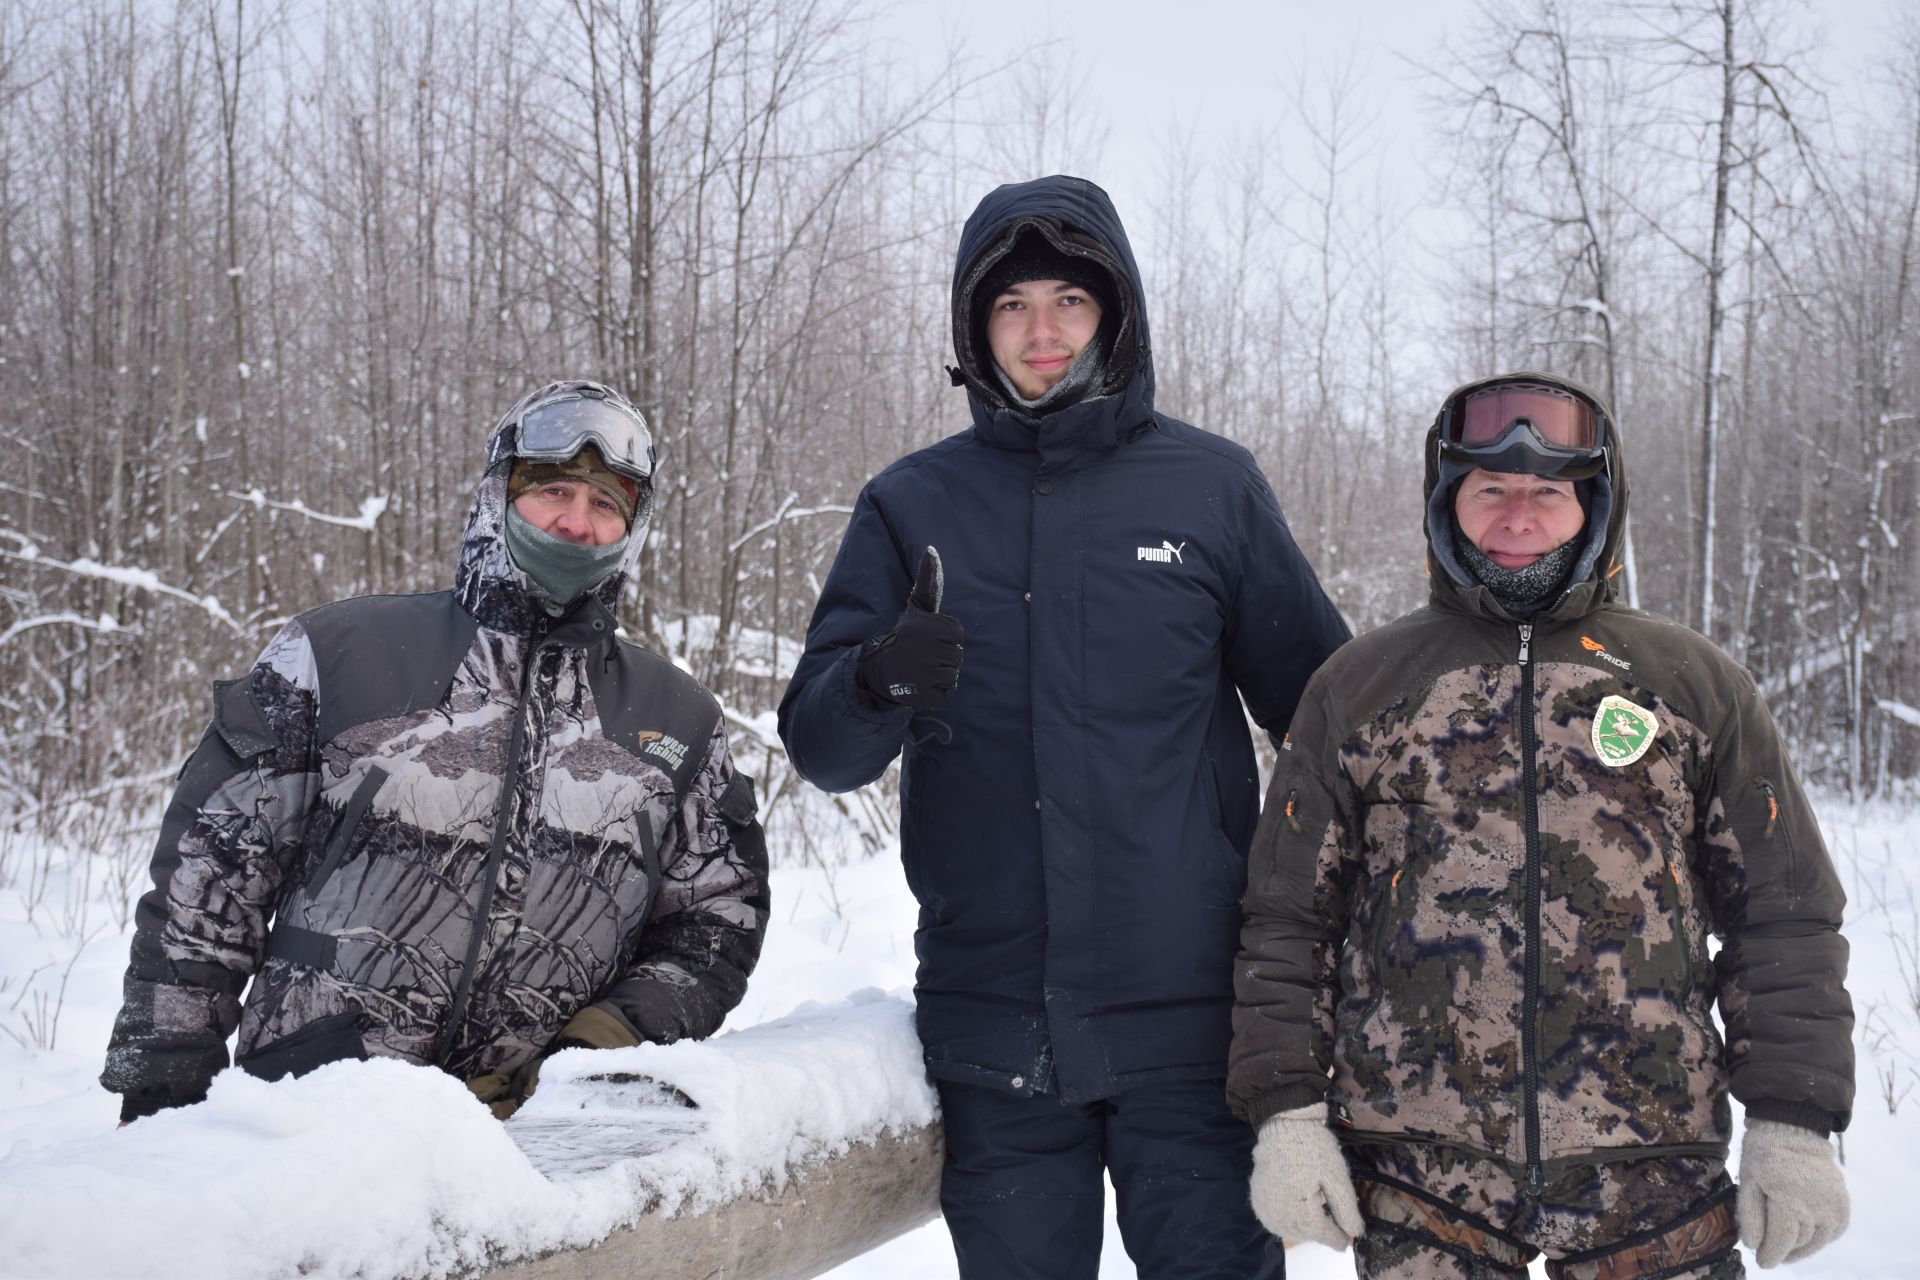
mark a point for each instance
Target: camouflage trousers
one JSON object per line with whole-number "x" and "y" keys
{"x": 1437, "y": 1214}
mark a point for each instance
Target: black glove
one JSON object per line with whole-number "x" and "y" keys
{"x": 916, "y": 664}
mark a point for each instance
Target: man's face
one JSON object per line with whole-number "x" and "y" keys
{"x": 1516, "y": 519}
{"x": 573, "y": 511}
{"x": 1036, "y": 328}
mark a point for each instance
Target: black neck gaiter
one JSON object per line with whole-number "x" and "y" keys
{"x": 1525, "y": 591}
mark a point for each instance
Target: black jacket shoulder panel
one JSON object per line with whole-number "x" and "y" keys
{"x": 932, "y": 454}
{"x": 1178, "y": 432}
{"x": 237, "y": 718}
{"x": 654, "y": 709}
{"x": 383, "y": 656}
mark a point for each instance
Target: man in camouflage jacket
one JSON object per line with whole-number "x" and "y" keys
{"x": 1477, "y": 923}
{"x": 459, "y": 829}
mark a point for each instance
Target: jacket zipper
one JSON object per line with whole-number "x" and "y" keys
{"x": 516, "y": 746}
{"x": 1773, "y": 807}
{"x": 1774, "y": 828}
{"x": 1530, "y": 1000}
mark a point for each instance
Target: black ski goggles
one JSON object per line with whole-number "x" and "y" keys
{"x": 1529, "y": 428}
{"x": 555, "y": 430}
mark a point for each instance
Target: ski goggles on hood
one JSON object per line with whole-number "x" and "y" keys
{"x": 1525, "y": 427}
{"x": 554, "y": 430}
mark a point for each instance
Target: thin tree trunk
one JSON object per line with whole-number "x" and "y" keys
{"x": 1716, "y": 322}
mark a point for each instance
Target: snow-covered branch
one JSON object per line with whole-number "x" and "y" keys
{"x": 127, "y": 575}
{"x": 104, "y": 624}
{"x": 1800, "y": 670}
{"x": 21, "y": 817}
{"x": 786, "y": 512}
{"x": 1899, "y": 711}
{"x": 371, "y": 509}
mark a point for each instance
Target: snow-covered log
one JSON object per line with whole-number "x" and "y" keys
{"x": 793, "y": 1142}
{"x": 763, "y": 1155}
{"x": 829, "y": 1211}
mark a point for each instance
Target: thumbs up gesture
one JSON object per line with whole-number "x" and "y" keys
{"x": 917, "y": 664}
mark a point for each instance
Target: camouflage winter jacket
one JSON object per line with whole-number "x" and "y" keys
{"x": 1483, "y": 885}
{"x": 435, "y": 828}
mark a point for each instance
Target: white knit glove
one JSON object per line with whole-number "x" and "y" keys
{"x": 1793, "y": 1197}
{"x": 1301, "y": 1188}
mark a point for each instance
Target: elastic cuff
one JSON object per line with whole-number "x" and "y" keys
{"x": 1313, "y": 1114}
{"x": 1805, "y": 1115}
{"x": 1288, "y": 1098}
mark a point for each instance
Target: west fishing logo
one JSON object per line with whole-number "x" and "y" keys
{"x": 1622, "y": 732}
{"x": 1165, "y": 553}
{"x": 1599, "y": 651}
{"x": 665, "y": 746}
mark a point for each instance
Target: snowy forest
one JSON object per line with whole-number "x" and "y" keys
{"x": 269, "y": 270}
{"x": 270, "y": 273}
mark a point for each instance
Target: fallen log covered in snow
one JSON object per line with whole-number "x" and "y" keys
{"x": 825, "y": 1198}
{"x": 812, "y": 1138}
{"x": 829, "y": 1211}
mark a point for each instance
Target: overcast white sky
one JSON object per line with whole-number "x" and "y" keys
{"x": 1160, "y": 68}
{"x": 1219, "y": 73}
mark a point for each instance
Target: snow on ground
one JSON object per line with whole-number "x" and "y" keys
{"x": 405, "y": 1143}
{"x": 374, "y": 1168}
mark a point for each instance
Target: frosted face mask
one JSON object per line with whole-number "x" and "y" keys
{"x": 564, "y": 570}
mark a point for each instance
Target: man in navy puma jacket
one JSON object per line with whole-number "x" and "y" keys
{"x": 1094, "y": 587}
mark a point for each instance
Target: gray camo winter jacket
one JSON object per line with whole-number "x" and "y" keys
{"x": 434, "y": 828}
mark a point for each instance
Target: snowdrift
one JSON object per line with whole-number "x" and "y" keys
{"x": 777, "y": 1151}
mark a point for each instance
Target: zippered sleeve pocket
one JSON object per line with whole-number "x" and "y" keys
{"x": 1749, "y": 832}
{"x": 1774, "y": 830}
{"x": 341, "y": 840}
{"x": 1296, "y": 830}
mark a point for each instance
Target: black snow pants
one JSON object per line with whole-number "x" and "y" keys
{"x": 1023, "y": 1195}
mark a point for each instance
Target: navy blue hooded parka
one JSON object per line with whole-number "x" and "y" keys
{"x": 1075, "y": 817}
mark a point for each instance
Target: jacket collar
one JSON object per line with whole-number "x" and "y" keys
{"x": 589, "y": 624}
{"x": 1068, "y": 438}
{"x": 1476, "y": 601}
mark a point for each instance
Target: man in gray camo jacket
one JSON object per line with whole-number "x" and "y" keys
{"x": 462, "y": 829}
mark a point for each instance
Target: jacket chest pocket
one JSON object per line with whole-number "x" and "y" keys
{"x": 591, "y": 899}
{"x": 340, "y": 841}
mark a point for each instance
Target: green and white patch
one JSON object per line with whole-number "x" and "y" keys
{"x": 1622, "y": 732}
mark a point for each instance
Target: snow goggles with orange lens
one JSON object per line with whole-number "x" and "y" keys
{"x": 555, "y": 430}
{"x": 1530, "y": 428}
